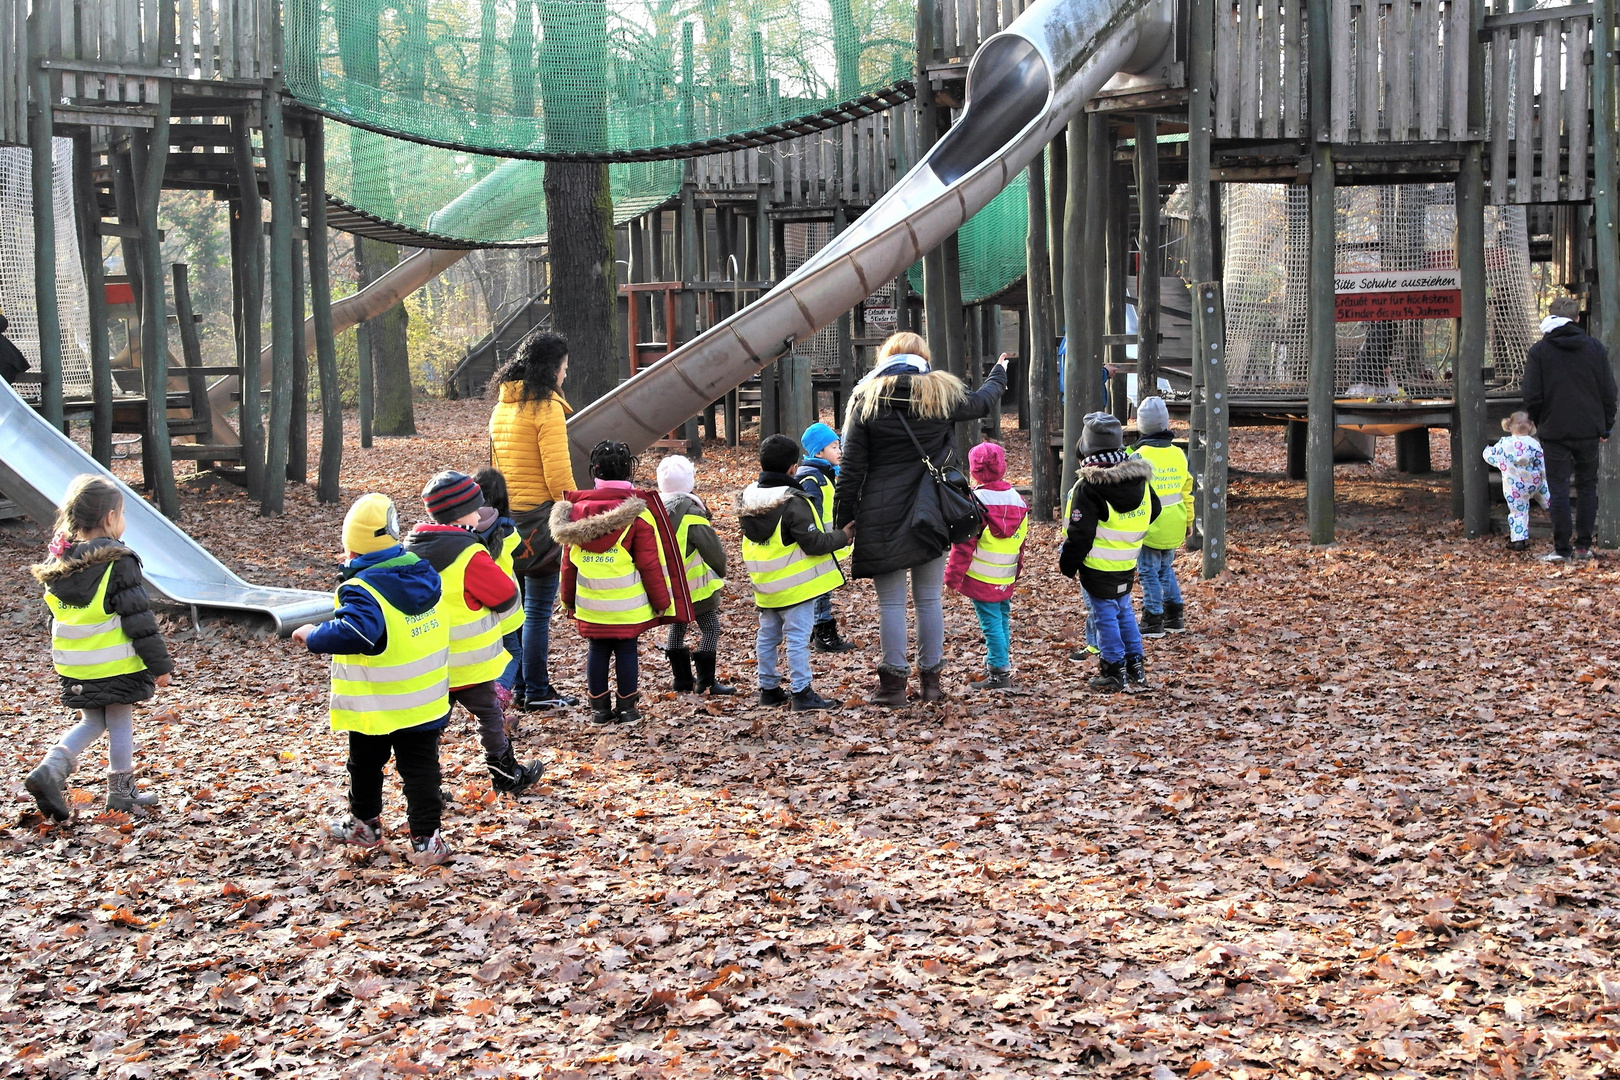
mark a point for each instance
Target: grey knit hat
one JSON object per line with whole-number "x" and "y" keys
{"x": 1102, "y": 432}
{"x": 1152, "y": 416}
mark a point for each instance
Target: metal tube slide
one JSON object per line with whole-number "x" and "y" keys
{"x": 1023, "y": 86}
{"x": 38, "y": 462}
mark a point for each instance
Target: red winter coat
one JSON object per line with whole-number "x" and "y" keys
{"x": 1004, "y": 511}
{"x": 593, "y": 520}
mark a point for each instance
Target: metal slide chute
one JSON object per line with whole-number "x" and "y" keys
{"x": 1022, "y": 87}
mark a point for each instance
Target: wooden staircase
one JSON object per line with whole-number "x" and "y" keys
{"x": 485, "y": 358}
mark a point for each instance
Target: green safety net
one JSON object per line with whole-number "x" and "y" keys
{"x": 605, "y": 79}
{"x": 991, "y": 244}
{"x": 464, "y": 198}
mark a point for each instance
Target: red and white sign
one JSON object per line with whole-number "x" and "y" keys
{"x": 1384, "y": 295}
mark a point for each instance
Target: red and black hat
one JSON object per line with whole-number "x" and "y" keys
{"x": 451, "y": 495}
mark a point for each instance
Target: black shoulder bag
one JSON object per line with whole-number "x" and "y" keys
{"x": 961, "y": 509}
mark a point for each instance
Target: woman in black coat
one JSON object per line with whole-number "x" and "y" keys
{"x": 884, "y": 489}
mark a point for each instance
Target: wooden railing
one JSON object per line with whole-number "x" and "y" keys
{"x": 851, "y": 164}
{"x": 1540, "y": 78}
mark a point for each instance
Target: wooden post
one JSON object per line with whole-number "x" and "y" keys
{"x": 1412, "y": 452}
{"x": 1148, "y": 260}
{"x": 847, "y": 375}
{"x": 368, "y": 385}
{"x": 1468, "y": 379}
{"x": 1074, "y": 299}
{"x": 1094, "y": 275}
{"x": 191, "y": 349}
{"x": 1211, "y": 313}
{"x": 247, "y": 260}
{"x": 989, "y": 350}
{"x": 1319, "y": 439}
{"x": 1057, "y": 199}
{"x": 1605, "y": 211}
{"x": 955, "y": 357}
{"x": 1119, "y": 255}
{"x": 298, "y": 432}
{"x": 1295, "y": 435}
{"x": 41, "y": 169}
{"x": 320, "y": 303}
{"x": 282, "y": 210}
{"x": 89, "y": 218}
{"x": 1200, "y": 224}
{"x": 1039, "y": 349}
{"x": 151, "y": 158}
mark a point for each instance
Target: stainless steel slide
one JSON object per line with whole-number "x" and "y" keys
{"x": 37, "y": 462}
{"x": 1022, "y": 87}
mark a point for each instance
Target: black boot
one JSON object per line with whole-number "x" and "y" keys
{"x": 706, "y": 682}
{"x": 1153, "y": 624}
{"x": 770, "y": 697}
{"x": 1110, "y": 677}
{"x": 602, "y": 708}
{"x": 1175, "y": 619}
{"x": 628, "y": 711}
{"x": 807, "y": 700}
{"x": 1136, "y": 673}
{"x": 680, "y": 662}
{"x": 510, "y": 777}
{"x": 825, "y": 638}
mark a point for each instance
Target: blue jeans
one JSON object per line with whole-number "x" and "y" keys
{"x": 1157, "y": 570}
{"x": 512, "y": 677}
{"x": 790, "y": 624}
{"x": 995, "y": 619}
{"x": 1117, "y": 635}
{"x": 539, "y": 598}
{"x": 1091, "y": 620}
{"x": 824, "y": 612}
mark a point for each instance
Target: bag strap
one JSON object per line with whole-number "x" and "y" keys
{"x": 926, "y": 460}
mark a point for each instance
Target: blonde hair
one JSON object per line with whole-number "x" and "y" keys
{"x": 905, "y": 342}
{"x": 1519, "y": 424}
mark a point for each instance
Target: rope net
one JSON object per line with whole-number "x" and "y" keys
{"x": 992, "y": 245}
{"x": 17, "y": 268}
{"x": 1384, "y": 228}
{"x": 593, "y": 78}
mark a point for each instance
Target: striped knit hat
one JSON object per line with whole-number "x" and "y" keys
{"x": 451, "y": 495}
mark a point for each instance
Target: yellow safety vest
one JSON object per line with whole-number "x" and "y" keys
{"x": 89, "y": 643}
{"x": 608, "y": 590}
{"x": 1171, "y": 482}
{"x": 785, "y": 574}
{"x": 1119, "y": 536}
{"x": 700, "y": 579}
{"x": 407, "y": 684}
{"x": 995, "y": 559}
{"x": 513, "y": 620}
{"x": 476, "y": 652}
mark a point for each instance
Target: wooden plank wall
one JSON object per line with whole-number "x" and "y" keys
{"x": 1538, "y": 104}
{"x": 1259, "y": 69}
{"x": 851, "y": 164}
{"x": 961, "y": 26}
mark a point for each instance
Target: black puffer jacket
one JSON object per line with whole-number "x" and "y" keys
{"x": 1569, "y": 388}
{"x": 1097, "y": 488}
{"x": 898, "y": 522}
{"x": 73, "y": 579}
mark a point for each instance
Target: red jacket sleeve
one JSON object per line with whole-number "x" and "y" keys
{"x": 644, "y": 550}
{"x": 568, "y": 585}
{"x": 488, "y": 586}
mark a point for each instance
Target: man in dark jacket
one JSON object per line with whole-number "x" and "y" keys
{"x": 12, "y": 362}
{"x": 1569, "y": 392}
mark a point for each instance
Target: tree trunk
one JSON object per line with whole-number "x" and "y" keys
{"x": 391, "y": 365}
{"x": 579, "y": 212}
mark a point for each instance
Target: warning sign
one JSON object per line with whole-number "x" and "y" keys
{"x": 1380, "y": 296}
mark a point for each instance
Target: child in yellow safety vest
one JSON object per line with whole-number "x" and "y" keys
{"x": 478, "y": 597}
{"x": 105, "y": 643}
{"x": 1108, "y": 513}
{"x": 614, "y": 581}
{"x": 817, "y": 474}
{"x": 390, "y": 649}
{"x": 1162, "y": 607}
{"x": 705, "y": 564}
{"x": 986, "y": 568}
{"x": 791, "y": 562}
{"x": 500, "y": 536}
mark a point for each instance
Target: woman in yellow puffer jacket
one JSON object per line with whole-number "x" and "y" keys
{"x": 528, "y": 440}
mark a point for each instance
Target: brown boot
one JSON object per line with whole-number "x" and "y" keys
{"x": 931, "y": 690}
{"x": 891, "y": 688}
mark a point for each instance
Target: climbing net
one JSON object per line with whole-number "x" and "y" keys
{"x": 17, "y": 296}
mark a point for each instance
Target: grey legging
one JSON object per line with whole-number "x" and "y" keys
{"x": 118, "y": 721}
{"x": 927, "y": 580}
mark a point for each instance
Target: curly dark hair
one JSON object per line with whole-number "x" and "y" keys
{"x": 535, "y": 365}
{"x": 612, "y": 461}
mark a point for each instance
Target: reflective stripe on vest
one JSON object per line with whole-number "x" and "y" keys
{"x": 702, "y": 581}
{"x": 1119, "y": 536}
{"x": 995, "y": 559}
{"x": 407, "y": 684}
{"x": 1170, "y": 478}
{"x": 87, "y": 642}
{"x": 512, "y": 620}
{"x": 785, "y": 574}
{"x": 608, "y": 590}
{"x": 476, "y": 652}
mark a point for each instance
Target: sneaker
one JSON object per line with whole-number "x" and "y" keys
{"x": 807, "y": 700}
{"x": 548, "y": 697}
{"x": 1554, "y": 556}
{"x": 1518, "y": 545}
{"x": 429, "y": 850}
{"x": 993, "y": 679}
{"x": 773, "y": 696}
{"x": 1135, "y": 673}
{"x": 357, "y": 831}
{"x": 1085, "y": 654}
{"x": 1581, "y": 554}
{"x": 1110, "y": 678}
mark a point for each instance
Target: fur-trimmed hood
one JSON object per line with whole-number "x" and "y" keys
{"x": 756, "y": 501}
{"x": 89, "y": 558}
{"x": 594, "y": 519}
{"x": 1122, "y": 485}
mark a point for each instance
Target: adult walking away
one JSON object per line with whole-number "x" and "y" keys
{"x": 13, "y": 363}
{"x": 528, "y": 439}
{"x": 1569, "y": 392}
{"x": 884, "y": 489}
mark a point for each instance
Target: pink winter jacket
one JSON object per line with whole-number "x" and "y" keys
{"x": 1004, "y": 511}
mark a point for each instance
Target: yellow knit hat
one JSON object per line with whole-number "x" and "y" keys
{"x": 372, "y": 524}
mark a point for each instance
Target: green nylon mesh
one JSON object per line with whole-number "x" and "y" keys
{"x": 992, "y": 245}
{"x": 602, "y": 78}
{"x": 472, "y": 198}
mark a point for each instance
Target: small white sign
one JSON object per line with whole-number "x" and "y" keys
{"x": 1377, "y": 281}
{"x": 880, "y": 317}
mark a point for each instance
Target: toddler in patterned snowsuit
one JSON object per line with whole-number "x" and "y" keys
{"x": 1524, "y": 474}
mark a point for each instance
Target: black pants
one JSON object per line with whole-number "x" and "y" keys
{"x": 416, "y": 756}
{"x": 621, "y": 652}
{"x": 1575, "y": 459}
{"x": 479, "y": 699}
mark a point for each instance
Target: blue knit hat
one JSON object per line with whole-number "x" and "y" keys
{"x": 817, "y": 437}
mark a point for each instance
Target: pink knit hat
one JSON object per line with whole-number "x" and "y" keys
{"x": 987, "y": 462}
